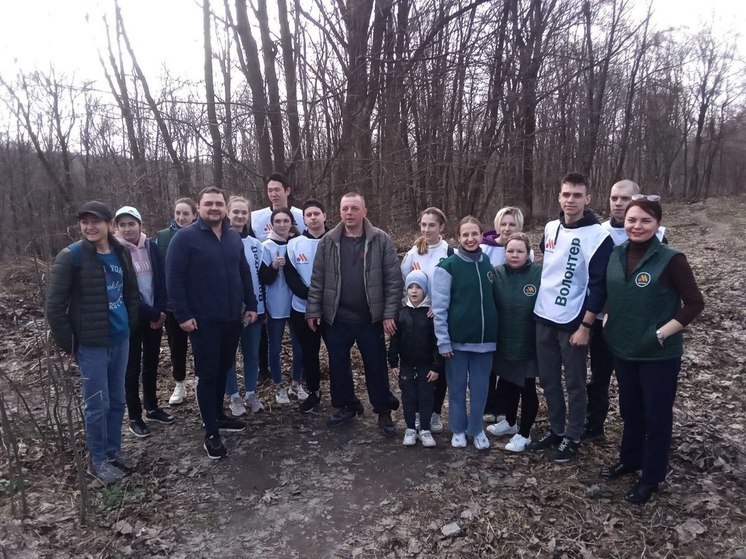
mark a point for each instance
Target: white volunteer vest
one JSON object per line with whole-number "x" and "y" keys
{"x": 301, "y": 253}
{"x": 496, "y": 254}
{"x": 254, "y": 252}
{"x": 278, "y": 293}
{"x": 619, "y": 235}
{"x": 261, "y": 226}
{"x": 564, "y": 276}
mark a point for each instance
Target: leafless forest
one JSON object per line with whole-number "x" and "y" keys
{"x": 462, "y": 104}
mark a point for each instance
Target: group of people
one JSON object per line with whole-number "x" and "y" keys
{"x": 481, "y": 319}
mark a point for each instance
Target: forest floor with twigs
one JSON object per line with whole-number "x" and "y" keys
{"x": 293, "y": 487}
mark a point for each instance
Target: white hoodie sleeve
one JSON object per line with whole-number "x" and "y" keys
{"x": 441, "y": 300}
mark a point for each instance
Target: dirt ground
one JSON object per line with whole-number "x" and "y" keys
{"x": 293, "y": 487}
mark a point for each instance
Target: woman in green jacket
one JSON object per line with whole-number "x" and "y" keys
{"x": 647, "y": 282}
{"x": 516, "y": 284}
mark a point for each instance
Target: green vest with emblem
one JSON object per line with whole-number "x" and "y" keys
{"x": 472, "y": 315}
{"x": 639, "y": 303}
{"x": 515, "y": 293}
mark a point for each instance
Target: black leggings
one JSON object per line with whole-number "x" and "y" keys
{"x": 529, "y": 404}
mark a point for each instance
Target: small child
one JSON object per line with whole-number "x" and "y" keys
{"x": 414, "y": 344}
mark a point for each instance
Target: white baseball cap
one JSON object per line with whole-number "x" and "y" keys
{"x": 128, "y": 210}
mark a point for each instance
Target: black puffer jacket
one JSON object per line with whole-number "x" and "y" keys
{"x": 77, "y": 305}
{"x": 414, "y": 342}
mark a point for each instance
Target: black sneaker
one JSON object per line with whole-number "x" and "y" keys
{"x": 310, "y": 403}
{"x": 592, "y": 435}
{"x": 386, "y": 424}
{"x": 159, "y": 416}
{"x": 549, "y": 440}
{"x": 138, "y": 428}
{"x": 566, "y": 451}
{"x": 214, "y": 447}
{"x": 230, "y": 425}
{"x": 341, "y": 416}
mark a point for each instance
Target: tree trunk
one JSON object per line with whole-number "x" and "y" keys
{"x": 212, "y": 115}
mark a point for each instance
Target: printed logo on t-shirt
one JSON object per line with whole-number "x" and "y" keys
{"x": 529, "y": 290}
{"x": 642, "y": 279}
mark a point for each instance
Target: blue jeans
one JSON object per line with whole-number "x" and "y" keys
{"x": 340, "y": 337}
{"x": 250, "y": 350}
{"x": 102, "y": 372}
{"x": 467, "y": 367}
{"x": 275, "y": 331}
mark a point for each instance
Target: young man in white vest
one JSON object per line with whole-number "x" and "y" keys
{"x": 597, "y": 389}
{"x": 278, "y": 192}
{"x": 573, "y": 291}
{"x": 300, "y": 257}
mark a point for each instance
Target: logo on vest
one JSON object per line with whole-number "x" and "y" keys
{"x": 642, "y": 279}
{"x": 491, "y": 277}
{"x": 301, "y": 258}
{"x": 416, "y": 266}
{"x": 549, "y": 244}
{"x": 529, "y": 290}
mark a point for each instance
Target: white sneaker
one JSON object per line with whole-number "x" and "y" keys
{"x": 417, "y": 421}
{"x": 458, "y": 440}
{"x": 488, "y": 418}
{"x": 179, "y": 394}
{"x": 297, "y": 390}
{"x": 427, "y": 439}
{"x": 237, "y": 407}
{"x": 254, "y": 403}
{"x": 410, "y": 437}
{"x": 436, "y": 425}
{"x": 481, "y": 441}
{"x": 502, "y": 428}
{"x": 518, "y": 443}
{"x": 281, "y": 397}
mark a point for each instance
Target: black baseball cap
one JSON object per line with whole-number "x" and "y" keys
{"x": 96, "y": 208}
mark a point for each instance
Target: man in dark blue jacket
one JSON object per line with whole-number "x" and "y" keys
{"x": 210, "y": 289}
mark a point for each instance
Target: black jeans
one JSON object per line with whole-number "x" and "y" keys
{"x": 340, "y": 337}
{"x": 417, "y": 395}
{"x": 597, "y": 389}
{"x": 214, "y": 344}
{"x": 496, "y": 399}
{"x": 647, "y": 390}
{"x": 441, "y": 387}
{"x": 310, "y": 343}
{"x": 529, "y": 404}
{"x": 178, "y": 342}
{"x": 144, "y": 350}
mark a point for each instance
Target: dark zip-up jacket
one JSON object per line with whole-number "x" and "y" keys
{"x": 414, "y": 342}
{"x": 208, "y": 278}
{"x": 77, "y": 305}
{"x": 515, "y": 295}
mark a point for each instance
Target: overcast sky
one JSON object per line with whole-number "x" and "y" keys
{"x": 37, "y": 33}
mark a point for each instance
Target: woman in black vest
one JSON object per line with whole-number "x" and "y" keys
{"x": 647, "y": 282}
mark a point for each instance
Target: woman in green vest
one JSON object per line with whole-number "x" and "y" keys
{"x": 516, "y": 285}
{"x": 652, "y": 296}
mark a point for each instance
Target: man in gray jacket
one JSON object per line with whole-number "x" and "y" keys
{"x": 356, "y": 287}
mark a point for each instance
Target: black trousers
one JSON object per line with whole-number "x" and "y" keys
{"x": 496, "y": 398}
{"x": 214, "y": 344}
{"x": 529, "y": 404}
{"x": 647, "y": 390}
{"x": 178, "y": 342}
{"x": 310, "y": 343}
{"x": 597, "y": 388}
{"x": 417, "y": 395}
{"x": 441, "y": 387}
{"x": 144, "y": 350}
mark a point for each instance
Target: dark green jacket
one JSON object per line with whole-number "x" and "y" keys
{"x": 638, "y": 304}
{"x": 77, "y": 305}
{"x": 515, "y": 295}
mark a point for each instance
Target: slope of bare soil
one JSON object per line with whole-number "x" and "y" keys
{"x": 292, "y": 487}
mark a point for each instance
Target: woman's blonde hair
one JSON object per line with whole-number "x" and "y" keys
{"x": 233, "y": 199}
{"x": 440, "y": 217}
{"x": 509, "y": 210}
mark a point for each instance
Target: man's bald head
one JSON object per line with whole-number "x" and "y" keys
{"x": 621, "y": 196}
